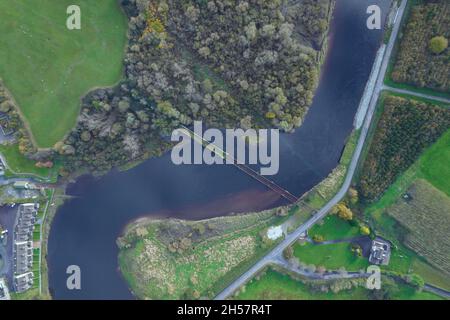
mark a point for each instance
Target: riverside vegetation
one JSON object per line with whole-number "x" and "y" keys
{"x": 228, "y": 63}
{"x": 177, "y": 259}
{"x": 201, "y": 258}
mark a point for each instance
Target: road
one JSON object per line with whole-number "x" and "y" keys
{"x": 335, "y": 275}
{"x": 438, "y": 291}
{"x": 417, "y": 94}
{"x": 292, "y": 237}
{"x": 347, "y": 240}
{"x": 4, "y": 263}
{"x": 329, "y": 275}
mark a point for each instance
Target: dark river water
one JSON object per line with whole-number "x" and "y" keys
{"x": 85, "y": 229}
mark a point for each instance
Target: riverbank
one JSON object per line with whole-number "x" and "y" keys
{"x": 159, "y": 189}
{"x": 57, "y": 199}
{"x": 175, "y": 259}
{"x": 143, "y": 237}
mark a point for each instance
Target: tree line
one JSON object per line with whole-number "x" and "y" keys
{"x": 405, "y": 129}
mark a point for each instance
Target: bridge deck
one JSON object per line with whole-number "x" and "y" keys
{"x": 244, "y": 168}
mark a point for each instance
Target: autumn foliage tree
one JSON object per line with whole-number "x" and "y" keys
{"x": 438, "y": 44}
{"x": 344, "y": 212}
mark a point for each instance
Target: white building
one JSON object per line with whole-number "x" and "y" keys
{"x": 275, "y": 232}
{"x": 4, "y": 292}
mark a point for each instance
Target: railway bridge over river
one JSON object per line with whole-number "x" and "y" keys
{"x": 243, "y": 167}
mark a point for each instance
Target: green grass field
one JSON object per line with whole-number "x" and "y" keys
{"x": 20, "y": 164}
{"x": 48, "y": 68}
{"x": 334, "y": 228}
{"x": 330, "y": 256}
{"x": 434, "y": 164}
{"x": 36, "y": 255}
{"x": 278, "y": 286}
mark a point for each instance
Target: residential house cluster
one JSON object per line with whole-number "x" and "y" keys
{"x": 23, "y": 246}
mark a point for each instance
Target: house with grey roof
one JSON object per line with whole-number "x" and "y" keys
{"x": 4, "y": 292}
{"x": 23, "y": 282}
{"x": 23, "y": 246}
{"x": 380, "y": 252}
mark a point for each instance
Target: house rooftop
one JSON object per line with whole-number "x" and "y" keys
{"x": 380, "y": 252}
{"x": 4, "y": 292}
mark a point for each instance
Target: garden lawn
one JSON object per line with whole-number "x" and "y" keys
{"x": 48, "y": 68}
{"x": 331, "y": 256}
{"x": 434, "y": 164}
{"x": 334, "y": 228}
{"x": 18, "y": 163}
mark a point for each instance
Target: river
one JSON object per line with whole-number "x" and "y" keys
{"x": 85, "y": 228}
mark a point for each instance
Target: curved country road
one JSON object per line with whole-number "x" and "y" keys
{"x": 335, "y": 275}
{"x": 292, "y": 237}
